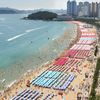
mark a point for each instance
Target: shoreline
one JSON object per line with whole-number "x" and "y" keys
{"x": 43, "y": 65}
{"x": 39, "y": 65}
{"x": 37, "y": 71}
{"x": 60, "y": 38}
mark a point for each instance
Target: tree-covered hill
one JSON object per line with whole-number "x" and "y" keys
{"x": 42, "y": 15}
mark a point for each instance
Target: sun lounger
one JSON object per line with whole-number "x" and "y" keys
{"x": 36, "y": 79}
{"x": 49, "y": 82}
{"x": 37, "y": 96}
{"x": 67, "y": 83}
{"x": 53, "y": 83}
{"x": 61, "y": 61}
{"x": 34, "y": 95}
{"x": 49, "y": 97}
{"x": 62, "y": 81}
{"x": 30, "y": 95}
{"x": 59, "y": 81}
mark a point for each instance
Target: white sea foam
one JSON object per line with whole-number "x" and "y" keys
{"x": 27, "y": 31}
{"x": 54, "y": 38}
{"x": 30, "y": 30}
{"x": 15, "y": 37}
{"x": 55, "y": 50}
{"x": 1, "y": 33}
{"x": 2, "y": 19}
{"x": 12, "y": 83}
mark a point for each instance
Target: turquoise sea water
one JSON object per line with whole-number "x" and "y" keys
{"x": 26, "y": 44}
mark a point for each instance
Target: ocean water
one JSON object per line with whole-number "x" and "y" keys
{"x": 26, "y": 44}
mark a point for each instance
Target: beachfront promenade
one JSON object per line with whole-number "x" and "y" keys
{"x": 69, "y": 76}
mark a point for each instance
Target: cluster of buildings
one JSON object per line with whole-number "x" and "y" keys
{"x": 83, "y": 9}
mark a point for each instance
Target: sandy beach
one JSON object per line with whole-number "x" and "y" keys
{"x": 83, "y": 70}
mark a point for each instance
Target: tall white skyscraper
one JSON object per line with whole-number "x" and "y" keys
{"x": 80, "y": 9}
{"x": 84, "y": 9}
{"x": 69, "y": 9}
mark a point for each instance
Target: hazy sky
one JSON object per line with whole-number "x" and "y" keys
{"x": 35, "y": 4}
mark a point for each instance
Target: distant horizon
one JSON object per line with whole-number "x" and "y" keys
{"x": 40, "y": 4}
{"x": 35, "y": 9}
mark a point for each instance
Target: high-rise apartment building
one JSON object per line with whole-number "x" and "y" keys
{"x": 86, "y": 9}
{"x": 69, "y": 11}
{"x": 80, "y": 9}
{"x": 94, "y": 9}
{"x": 99, "y": 10}
{"x": 83, "y": 9}
{"x": 72, "y": 8}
